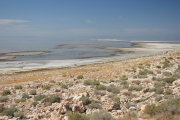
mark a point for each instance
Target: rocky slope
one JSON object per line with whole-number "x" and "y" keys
{"x": 123, "y": 88}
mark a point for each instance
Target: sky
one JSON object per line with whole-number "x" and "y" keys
{"x": 117, "y": 19}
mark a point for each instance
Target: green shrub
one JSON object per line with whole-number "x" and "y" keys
{"x": 25, "y": 95}
{"x": 6, "y": 92}
{"x": 19, "y": 115}
{"x": 18, "y": 87}
{"x": 130, "y": 115}
{"x": 39, "y": 97}
{"x": 159, "y": 90}
{"x": 4, "y": 99}
{"x": 52, "y": 81}
{"x": 64, "y": 75}
{"x": 85, "y": 100}
{"x": 10, "y": 111}
{"x": 169, "y": 80}
{"x": 80, "y": 77}
{"x": 142, "y": 76}
{"x": 113, "y": 89}
{"x": 125, "y": 83}
{"x": 129, "y": 104}
{"x": 64, "y": 86}
{"x": 167, "y": 73}
{"x": 158, "y": 72}
{"x": 137, "y": 82}
{"x": 34, "y": 103}
{"x": 32, "y": 92}
{"x": 177, "y": 70}
{"x": 176, "y": 76}
{"x": 76, "y": 116}
{"x": 2, "y": 108}
{"x": 148, "y": 65}
{"x": 88, "y": 82}
{"x": 54, "y": 99}
{"x": 46, "y": 87}
{"x": 100, "y": 87}
{"x": 158, "y": 98}
{"x": 135, "y": 87}
{"x": 142, "y": 72}
{"x": 95, "y": 82}
{"x": 116, "y": 99}
{"x": 124, "y": 77}
{"x": 168, "y": 92}
{"x": 101, "y": 93}
{"x": 151, "y": 109}
{"x": 141, "y": 67}
{"x": 101, "y": 115}
{"x": 127, "y": 93}
{"x": 158, "y": 66}
{"x": 94, "y": 105}
{"x": 20, "y": 100}
{"x": 159, "y": 84}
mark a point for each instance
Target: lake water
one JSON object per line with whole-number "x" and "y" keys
{"x": 49, "y": 44}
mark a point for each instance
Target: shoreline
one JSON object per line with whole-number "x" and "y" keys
{"x": 141, "y": 50}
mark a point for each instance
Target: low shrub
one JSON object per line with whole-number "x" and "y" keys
{"x": 124, "y": 77}
{"x": 32, "y": 92}
{"x": 127, "y": 93}
{"x": 80, "y": 77}
{"x": 85, "y": 100}
{"x": 88, "y": 82}
{"x": 151, "y": 109}
{"x": 116, "y": 99}
{"x": 169, "y": 80}
{"x": 113, "y": 89}
{"x": 10, "y": 111}
{"x": 25, "y": 95}
{"x": 129, "y": 104}
{"x": 142, "y": 76}
{"x": 39, "y": 97}
{"x": 142, "y": 72}
{"x": 76, "y": 116}
{"x": 20, "y": 100}
{"x": 167, "y": 73}
{"x": 125, "y": 83}
{"x": 137, "y": 82}
{"x": 159, "y": 84}
{"x": 54, "y": 99}
{"x": 168, "y": 92}
{"x": 2, "y": 108}
{"x": 6, "y": 92}
{"x": 101, "y": 93}
{"x": 159, "y": 90}
{"x": 94, "y": 105}
{"x": 135, "y": 87}
{"x": 64, "y": 86}
{"x": 100, "y": 87}
{"x": 101, "y": 115}
{"x": 34, "y": 104}
{"x": 4, "y": 99}
{"x": 158, "y": 66}
{"x": 158, "y": 98}
{"x": 18, "y": 87}
{"x": 19, "y": 115}
{"x": 52, "y": 81}
{"x": 46, "y": 87}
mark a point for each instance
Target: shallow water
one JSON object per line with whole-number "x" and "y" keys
{"x": 49, "y": 44}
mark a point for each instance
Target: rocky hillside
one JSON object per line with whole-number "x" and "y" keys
{"x": 141, "y": 88}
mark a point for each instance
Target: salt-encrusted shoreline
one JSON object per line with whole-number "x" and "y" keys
{"x": 142, "y": 49}
{"x": 5, "y": 56}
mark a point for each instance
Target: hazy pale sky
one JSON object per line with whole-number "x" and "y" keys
{"x": 121, "y": 19}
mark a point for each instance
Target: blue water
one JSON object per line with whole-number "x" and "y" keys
{"x": 49, "y": 44}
